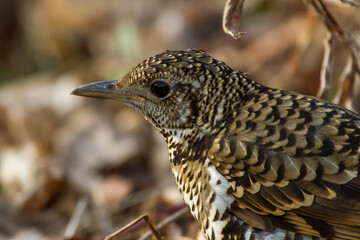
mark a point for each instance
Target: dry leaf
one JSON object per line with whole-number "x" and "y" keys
{"x": 231, "y": 18}
{"x": 351, "y": 2}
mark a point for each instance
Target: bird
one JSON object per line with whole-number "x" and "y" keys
{"x": 251, "y": 162}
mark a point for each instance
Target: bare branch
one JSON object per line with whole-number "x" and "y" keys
{"x": 231, "y": 18}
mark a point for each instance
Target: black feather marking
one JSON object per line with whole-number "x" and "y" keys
{"x": 283, "y": 134}
{"x": 261, "y": 157}
{"x": 275, "y": 113}
{"x": 217, "y": 215}
{"x": 250, "y": 124}
{"x": 238, "y": 124}
{"x": 280, "y": 173}
{"x": 291, "y": 112}
{"x": 267, "y": 167}
{"x": 303, "y": 172}
{"x": 212, "y": 199}
{"x": 293, "y": 192}
{"x": 299, "y": 127}
{"x": 327, "y": 148}
{"x": 306, "y": 115}
{"x": 295, "y": 104}
{"x": 271, "y": 130}
{"x": 319, "y": 171}
{"x": 282, "y": 121}
{"x": 292, "y": 140}
{"x": 249, "y": 151}
{"x": 299, "y": 152}
{"x": 324, "y": 229}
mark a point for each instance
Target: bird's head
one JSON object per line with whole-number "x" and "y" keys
{"x": 181, "y": 93}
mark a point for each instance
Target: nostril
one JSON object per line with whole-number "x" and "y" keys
{"x": 111, "y": 87}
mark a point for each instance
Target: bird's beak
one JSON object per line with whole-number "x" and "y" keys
{"x": 105, "y": 89}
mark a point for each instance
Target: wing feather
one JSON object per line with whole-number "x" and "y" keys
{"x": 299, "y": 165}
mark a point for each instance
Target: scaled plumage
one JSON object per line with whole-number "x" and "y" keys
{"x": 251, "y": 162}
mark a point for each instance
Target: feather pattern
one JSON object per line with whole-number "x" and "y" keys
{"x": 301, "y": 170}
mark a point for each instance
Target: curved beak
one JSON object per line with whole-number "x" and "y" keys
{"x": 105, "y": 89}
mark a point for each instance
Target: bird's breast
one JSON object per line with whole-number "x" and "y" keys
{"x": 207, "y": 193}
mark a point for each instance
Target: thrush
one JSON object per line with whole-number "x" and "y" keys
{"x": 251, "y": 162}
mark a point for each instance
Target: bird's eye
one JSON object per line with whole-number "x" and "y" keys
{"x": 160, "y": 89}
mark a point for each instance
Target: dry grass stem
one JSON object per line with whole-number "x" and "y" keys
{"x": 75, "y": 218}
{"x": 133, "y": 223}
{"x": 326, "y": 74}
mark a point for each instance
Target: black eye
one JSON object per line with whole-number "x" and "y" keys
{"x": 160, "y": 89}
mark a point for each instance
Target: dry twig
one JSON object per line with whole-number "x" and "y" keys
{"x": 348, "y": 41}
{"x": 326, "y": 74}
{"x": 167, "y": 220}
{"x": 133, "y": 223}
{"x": 348, "y": 78}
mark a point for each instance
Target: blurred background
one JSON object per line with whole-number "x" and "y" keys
{"x": 77, "y": 168}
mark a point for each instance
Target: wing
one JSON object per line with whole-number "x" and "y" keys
{"x": 293, "y": 162}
